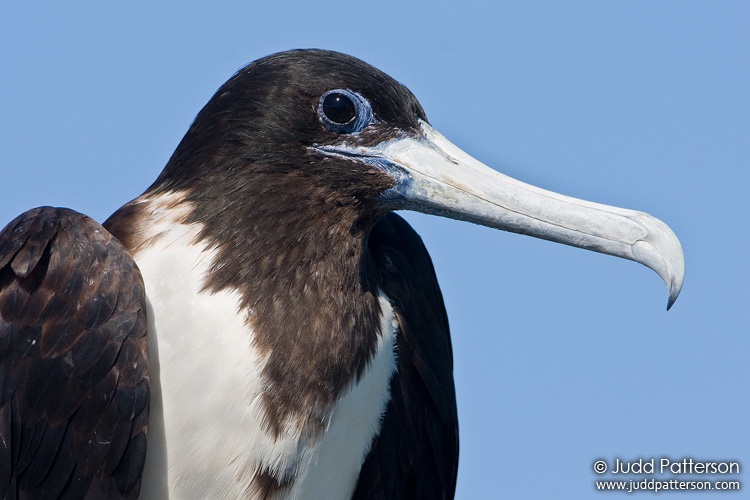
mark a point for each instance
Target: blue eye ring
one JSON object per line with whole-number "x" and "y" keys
{"x": 344, "y": 111}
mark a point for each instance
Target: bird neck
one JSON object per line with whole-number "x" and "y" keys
{"x": 307, "y": 286}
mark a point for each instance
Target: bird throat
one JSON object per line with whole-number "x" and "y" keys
{"x": 304, "y": 341}
{"x": 307, "y": 287}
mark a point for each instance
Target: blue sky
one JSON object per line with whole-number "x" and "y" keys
{"x": 562, "y": 356}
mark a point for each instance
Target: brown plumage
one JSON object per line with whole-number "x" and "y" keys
{"x": 73, "y": 360}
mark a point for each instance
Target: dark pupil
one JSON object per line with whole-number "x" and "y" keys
{"x": 339, "y": 108}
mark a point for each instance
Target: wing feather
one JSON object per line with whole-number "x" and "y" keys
{"x": 74, "y": 386}
{"x": 415, "y": 456}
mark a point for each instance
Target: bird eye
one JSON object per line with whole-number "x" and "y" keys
{"x": 344, "y": 111}
{"x": 339, "y": 108}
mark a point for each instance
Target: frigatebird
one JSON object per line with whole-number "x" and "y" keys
{"x": 259, "y": 312}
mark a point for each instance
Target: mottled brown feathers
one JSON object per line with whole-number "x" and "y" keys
{"x": 74, "y": 386}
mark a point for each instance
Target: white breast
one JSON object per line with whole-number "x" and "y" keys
{"x": 205, "y": 435}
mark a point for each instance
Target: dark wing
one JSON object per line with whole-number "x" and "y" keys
{"x": 74, "y": 386}
{"x": 416, "y": 454}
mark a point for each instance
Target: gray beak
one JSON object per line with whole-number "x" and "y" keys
{"x": 436, "y": 177}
